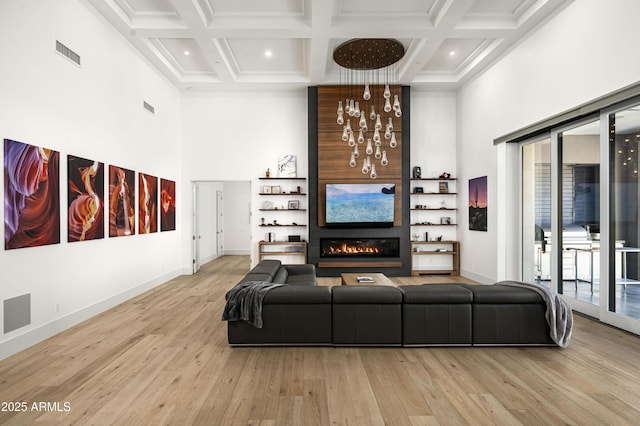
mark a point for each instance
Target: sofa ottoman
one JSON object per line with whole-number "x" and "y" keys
{"x": 367, "y": 316}
{"x": 504, "y": 315}
{"x": 436, "y": 315}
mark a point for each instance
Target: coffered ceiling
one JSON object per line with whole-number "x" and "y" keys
{"x": 286, "y": 44}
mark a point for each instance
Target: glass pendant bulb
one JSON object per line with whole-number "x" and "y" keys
{"x": 340, "y": 109}
{"x": 387, "y": 133}
{"x": 360, "y": 136}
{"x": 384, "y": 160}
{"x": 398, "y": 113}
{"x": 390, "y": 124}
{"x": 373, "y": 174}
{"x": 363, "y": 121}
{"x": 356, "y": 109}
{"x": 387, "y": 92}
{"x": 349, "y": 126}
{"x": 345, "y": 134}
{"x": 378, "y": 125}
{"x": 396, "y": 103}
{"x": 352, "y": 141}
{"x": 376, "y": 137}
{"x": 365, "y": 168}
{"x": 340, "y": 119}
{"x": 393, "y": 142}
{"x": 369, "y": 149}
{"x": 367, "y": 93}
{"x": 378, "y": 154}
{"x": 352, "y": 162}
{"x": 356, "y": 152}
{"x": 387, "y": 105}
{"x": 373, "y": 114}
{"x": 352, "y": 107}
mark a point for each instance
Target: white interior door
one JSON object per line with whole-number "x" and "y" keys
{"x": 219, "y": 223}
{"x": 195, "y": 234}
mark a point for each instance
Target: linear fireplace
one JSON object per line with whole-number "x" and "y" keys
{"x": 359, "y": 247}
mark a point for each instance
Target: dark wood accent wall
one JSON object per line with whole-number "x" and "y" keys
{"x": 334, "y": 154}
{"x": 329, "y": 159}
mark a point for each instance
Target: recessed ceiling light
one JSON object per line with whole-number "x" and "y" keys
{"x": 187, "y": 53}
{"x": 452, "y": 53}
{"x": 268, "y": 53}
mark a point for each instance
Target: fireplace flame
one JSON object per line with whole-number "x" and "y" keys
{"x": 345, "y": 248}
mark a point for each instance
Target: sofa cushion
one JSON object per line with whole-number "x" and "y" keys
{"x": 304, "y": 280}
{"x": 496, "y": 295}
{"x": 295, "y": 295}
{"x": 281, "y": 276}
{"x": 269, "y": 266}
{"x": 436, "y": 294}
{"x": 256, "y": 277}
{"x": 364, "y": 294}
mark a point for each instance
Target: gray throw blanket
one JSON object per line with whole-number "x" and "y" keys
{"x": 559, "y": 314}
{"x": 244, "y": 302}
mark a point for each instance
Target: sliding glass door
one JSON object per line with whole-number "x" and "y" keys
{"x": 580, "y": 207}
{"x": 536, "y": 211}
{"x": 579, "y": 212}
{"x": 624, "y": 276}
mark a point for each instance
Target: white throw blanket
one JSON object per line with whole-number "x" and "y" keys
{"x": 559, "y": 314}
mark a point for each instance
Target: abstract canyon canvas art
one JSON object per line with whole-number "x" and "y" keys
{"x": 85, "y": 201}
{"x": 31, "y": 195}
{"x": 147, "y": 204}
{"x": 167, "y": 205}
{"x": 122, "y": 211}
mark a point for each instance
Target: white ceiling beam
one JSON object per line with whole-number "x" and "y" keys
{"x": 450, "y": 14}
{"x": 218, "y": 61}
{"x": 319, "y": 44}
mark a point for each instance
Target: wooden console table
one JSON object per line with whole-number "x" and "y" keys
{"x": 275, "y": 248}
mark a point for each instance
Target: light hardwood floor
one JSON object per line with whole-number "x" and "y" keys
{"x": 162, "y": 358}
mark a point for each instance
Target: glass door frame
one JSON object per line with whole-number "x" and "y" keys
{"x": 514, "y": 155}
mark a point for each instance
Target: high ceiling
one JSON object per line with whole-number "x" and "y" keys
{"x": 287, "y": 44}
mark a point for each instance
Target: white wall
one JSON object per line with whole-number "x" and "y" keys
{"x": 236, "y": 137}
{"x": 93, "y": 111}
{"x": 585, "y": 52}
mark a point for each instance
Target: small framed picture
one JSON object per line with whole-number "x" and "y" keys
{"x": 294, "y": 205}
{"x": 267, "y": 205}
{"x": 445, "y": 221}
{"x": 443, "y": 187}
{"x": 418, "y": 190}
{"x": 266, "y": 189}
{"x": 275, "y": 189}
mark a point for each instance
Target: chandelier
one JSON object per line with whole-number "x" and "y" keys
{"x": 366, "y": 66}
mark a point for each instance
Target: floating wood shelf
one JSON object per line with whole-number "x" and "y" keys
{"x": 282, "y": 178}
{"x": 433, "y": 178}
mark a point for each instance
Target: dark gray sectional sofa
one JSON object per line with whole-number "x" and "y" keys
{"x": 303, "y": 313}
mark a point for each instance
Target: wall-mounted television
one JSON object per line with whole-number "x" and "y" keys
{"x": 360, "y": 205}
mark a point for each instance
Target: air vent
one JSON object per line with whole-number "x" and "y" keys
{"x": 148, "y": 107}
{"x": 67, "y": 53}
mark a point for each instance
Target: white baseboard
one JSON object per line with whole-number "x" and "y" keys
{"x": 238, "y": 252}
{"x": 40, "y": 333}
{"x": 477, "y": 277}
